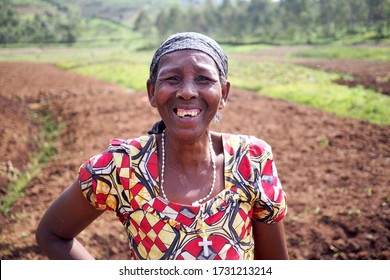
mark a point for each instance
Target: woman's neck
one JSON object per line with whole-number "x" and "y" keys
{"x": 190, "y": 172}
{"x": 186, "y": 155}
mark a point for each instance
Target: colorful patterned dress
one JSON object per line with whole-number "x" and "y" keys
{"x": 125, "y": 179}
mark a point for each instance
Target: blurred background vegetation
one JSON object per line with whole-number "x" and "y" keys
{"x": 228, "y": 21}
{"x": 114, "y": 40}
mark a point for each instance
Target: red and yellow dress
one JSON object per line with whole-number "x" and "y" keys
{"x": 125, "y": 179}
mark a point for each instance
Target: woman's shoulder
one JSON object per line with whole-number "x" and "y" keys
{"x": 122, "y": 146}
{"x": 127, "y": 145}
{"x": 253, "y": 144}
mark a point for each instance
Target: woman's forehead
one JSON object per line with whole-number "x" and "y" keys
{"x": 180, "y": 58}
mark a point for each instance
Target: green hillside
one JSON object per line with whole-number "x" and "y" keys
{"x": 82, "y": 22}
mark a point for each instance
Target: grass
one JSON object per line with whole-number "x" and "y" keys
{"x": 294, "y": 83}
{"x": 311, "y": 87}
{"x": 15, "y": 189}
{"x": 245, "y": 48}
{"x": 374, "y": 53}
{"x": 106, "y": 33}
{"x": 120, "y": 66}
{"x": 52, "y": 54}
{"x": 131, "y": 76}
{"x": 130, "y": 68}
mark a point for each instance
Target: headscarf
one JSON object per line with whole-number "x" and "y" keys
{"x": 191, "y": 41}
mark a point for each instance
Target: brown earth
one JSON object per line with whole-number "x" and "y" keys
{"x": 369, "y": 74}
{"x": 335, "y": 170}
{"x": 374, "y": 75}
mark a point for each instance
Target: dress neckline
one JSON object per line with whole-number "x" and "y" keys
{"x": 201, "y": 205}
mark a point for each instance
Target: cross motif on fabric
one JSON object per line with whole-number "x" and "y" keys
{"x": 205, "y": 243}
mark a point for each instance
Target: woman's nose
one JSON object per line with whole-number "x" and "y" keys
{"x": 187, "y": 90}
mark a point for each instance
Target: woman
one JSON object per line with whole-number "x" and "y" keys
{"x": 183, "y": 191}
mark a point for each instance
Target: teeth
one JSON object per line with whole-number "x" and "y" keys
{"x": 187, "y": 113}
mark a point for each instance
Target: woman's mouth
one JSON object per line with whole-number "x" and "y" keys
{"x": 186, "y": 113}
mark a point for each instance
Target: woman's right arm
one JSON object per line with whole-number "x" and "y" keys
{"x": 63, "y": 221}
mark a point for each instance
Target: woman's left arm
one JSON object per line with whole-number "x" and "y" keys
{"x": 270, "y": 241}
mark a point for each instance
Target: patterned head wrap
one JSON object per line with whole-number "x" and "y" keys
{"x": 191, "y": 41}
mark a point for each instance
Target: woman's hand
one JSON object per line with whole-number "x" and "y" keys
{"x": 62, "y": 222}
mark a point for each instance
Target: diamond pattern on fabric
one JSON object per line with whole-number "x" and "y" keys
{"x": 125, "y": 177}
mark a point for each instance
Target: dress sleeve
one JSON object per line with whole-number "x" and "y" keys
{"x": 102, "y": 177}
{"x": 269, "y": 205}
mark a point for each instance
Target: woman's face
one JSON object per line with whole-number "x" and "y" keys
{"x": 187, "y": 92}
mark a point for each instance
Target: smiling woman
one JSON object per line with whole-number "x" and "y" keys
{"x": 183, "y": 191}
{"x": 187, "y": 92}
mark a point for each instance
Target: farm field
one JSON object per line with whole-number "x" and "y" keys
{"x": 335, "y": 170}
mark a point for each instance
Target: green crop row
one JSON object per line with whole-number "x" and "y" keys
{"x": 130, "y": 69}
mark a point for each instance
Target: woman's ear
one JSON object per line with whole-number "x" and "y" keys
{"x": 225, "y": 94}
{"x": 150, "y": 86}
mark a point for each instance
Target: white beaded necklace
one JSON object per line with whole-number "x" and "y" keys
{"x": 212, "y": 155}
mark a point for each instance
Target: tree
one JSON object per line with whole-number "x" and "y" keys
{"x": 260, "y": 15}
{"x": 9, "y": 23}
{"x": 143, "y": 23}
{"x": 376, "y": 16}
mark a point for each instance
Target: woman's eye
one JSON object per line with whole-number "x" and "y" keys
{"x": 172, "y": 80}
{"x": 204, "y": 80}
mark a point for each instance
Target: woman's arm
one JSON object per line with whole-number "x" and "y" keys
{"x": 270, "y": 242}
{"x": 63, "y": 221}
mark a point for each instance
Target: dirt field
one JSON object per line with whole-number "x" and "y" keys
{"x": 336, "y": 171}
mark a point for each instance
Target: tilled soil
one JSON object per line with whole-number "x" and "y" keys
{"x": 369, "y": 74}
{"x": 334, "y": 170}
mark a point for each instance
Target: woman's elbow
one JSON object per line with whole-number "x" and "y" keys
{"x": 42, "y": 235}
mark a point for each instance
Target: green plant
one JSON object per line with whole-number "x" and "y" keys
{"x": 50, "y": 132}
{"x": 375, "y": 53}
{"x": 312, "y": 88}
